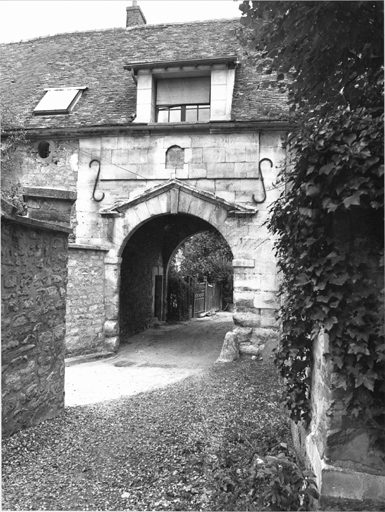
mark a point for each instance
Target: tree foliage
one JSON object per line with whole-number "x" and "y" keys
{"x": 329, "y": 220}
{"x": 207, "y": 255}
{"x": 11, "y": 139}
{"x": 332, "y": 49}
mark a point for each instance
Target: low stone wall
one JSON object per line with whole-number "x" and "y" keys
{"x": 34, "y": 280}
{"x": 85, "y": 313}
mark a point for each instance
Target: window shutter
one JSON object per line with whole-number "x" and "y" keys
{"x": 183, "y": 91}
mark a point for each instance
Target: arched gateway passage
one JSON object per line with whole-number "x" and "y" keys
{"x": 145, "y": 260}
{"x": 145, "y": 232}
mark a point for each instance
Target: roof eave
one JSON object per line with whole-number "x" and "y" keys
{"x": 135, "y": 66}
{"x": 127, "y": 129}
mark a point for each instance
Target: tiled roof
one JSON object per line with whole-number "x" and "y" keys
{"x": 95, "y": 59}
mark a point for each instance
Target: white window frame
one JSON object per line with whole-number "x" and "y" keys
{"x": 222, "y": 76}
{"x": 66, "y": 105}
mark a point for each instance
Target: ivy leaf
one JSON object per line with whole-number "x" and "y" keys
{"x": 319, "y": 315}
{"x": 328, "y": 323}
{"x": 339, "y": 361}
{"x": 329, "y": 205}
{"x": 367, "y": 379}
{"x": 341, "y": 381}
{"x": 349, "y": 139}
{"x": 340, "y": 280}
{"x": 312, "y": 492}
{"x": 325, "y": 169}
{"x": 353, "y": 200}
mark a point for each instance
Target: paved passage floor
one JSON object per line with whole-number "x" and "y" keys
{"x": 149, "y": 360}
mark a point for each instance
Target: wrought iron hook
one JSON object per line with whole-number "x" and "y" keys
{"x": 263, "y": 183}
{"x": 96, "y": 182}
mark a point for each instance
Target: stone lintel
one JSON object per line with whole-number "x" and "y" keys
{"x": 88, "y": 247}
{"x": 49, "y": 193}
{"x": 38, "y": 224}
{"x": 244, "y": 263}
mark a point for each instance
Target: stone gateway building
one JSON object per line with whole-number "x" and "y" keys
{"x": 161, "y": 132}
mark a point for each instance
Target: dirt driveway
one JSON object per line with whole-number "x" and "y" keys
{"x": 152, "y": 359}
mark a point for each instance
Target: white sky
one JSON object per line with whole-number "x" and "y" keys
{"x": 26, "y": 19}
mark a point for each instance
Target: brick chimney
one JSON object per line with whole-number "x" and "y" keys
{"x": 134, "y": 15}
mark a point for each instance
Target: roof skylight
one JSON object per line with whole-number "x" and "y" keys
{"x": 59, "y": 101}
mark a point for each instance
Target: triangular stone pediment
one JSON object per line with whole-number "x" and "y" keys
{"x": 177, "y": 185}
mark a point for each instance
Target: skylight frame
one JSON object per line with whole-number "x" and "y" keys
{"x": 65, "y": 104}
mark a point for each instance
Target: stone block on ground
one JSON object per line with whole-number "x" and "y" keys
{"x": 111, "y": 344}
{"x": 230, "y": 349}
{"x": 244, "y": 334}
{"x": 247, "y": 319}
{"x": 111, "y": 328}
{"x": 250, "y": 349}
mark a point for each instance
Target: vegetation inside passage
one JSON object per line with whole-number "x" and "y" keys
{"x": 204, "y": 256}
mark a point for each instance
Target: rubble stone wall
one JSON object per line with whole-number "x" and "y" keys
{"x": 58, "y": 170}
{"x": 33, "y": 291}
{"x": 85, "y": 300}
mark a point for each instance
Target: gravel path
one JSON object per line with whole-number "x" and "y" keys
{"x": 149, "y": 360}
{"x": 187, "y": 446}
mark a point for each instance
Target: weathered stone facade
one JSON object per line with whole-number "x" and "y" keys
{"x": 34, "y": 282}
{"x": 222, "y": 166}
{"x": 57, "y": 170}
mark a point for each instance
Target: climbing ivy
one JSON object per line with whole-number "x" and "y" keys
{"x": 329, "y": 223}
{"x": 11, "y": 139}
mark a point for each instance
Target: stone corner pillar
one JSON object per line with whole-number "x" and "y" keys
{"x": 342, "y": 451}
{"x": 255, "y": 307}
{"x": 111, "y": 299}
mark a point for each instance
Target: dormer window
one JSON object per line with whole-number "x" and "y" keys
{"x": 183, "y": 100}
{"x": 190, "y": 91}
{"x": 58, "y": 101}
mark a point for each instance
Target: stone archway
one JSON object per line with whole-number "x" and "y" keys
{"x": 175, "y": 200}
{"x": 144, "y": 265}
